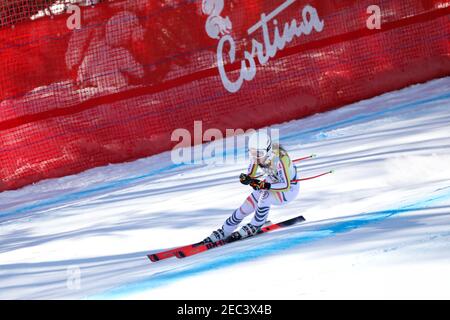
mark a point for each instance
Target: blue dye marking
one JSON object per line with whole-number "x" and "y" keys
{"x": 264, "y": 249}
{"x": 88, "y": 192}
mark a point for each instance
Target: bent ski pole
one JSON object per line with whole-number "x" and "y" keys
{"x": 314, "y": 177}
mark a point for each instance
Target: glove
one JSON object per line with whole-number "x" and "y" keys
{"x": 254, "y": 183}
{"x": 245, "y": 179}
{"x": 259, "y": 185}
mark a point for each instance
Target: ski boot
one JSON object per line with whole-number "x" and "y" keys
{"x": 215, "y": 236}
{"x": 246, "y": 231}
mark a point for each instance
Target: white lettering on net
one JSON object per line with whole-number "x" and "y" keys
{"x": 268, "y": 49}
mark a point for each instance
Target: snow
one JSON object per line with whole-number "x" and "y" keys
{"x": 379, "y": 227}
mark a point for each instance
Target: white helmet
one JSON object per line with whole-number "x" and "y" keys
{"x": 260, "y": 145}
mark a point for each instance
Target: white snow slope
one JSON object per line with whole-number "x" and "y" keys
{"x": 379, "y": 227}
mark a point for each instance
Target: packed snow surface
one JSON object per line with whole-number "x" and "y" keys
{"x": 378, "y": 227}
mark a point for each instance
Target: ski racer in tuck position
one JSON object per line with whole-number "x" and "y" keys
{"x": 276, "y": 187}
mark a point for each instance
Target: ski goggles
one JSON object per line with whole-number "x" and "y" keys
{"x": 257, "y": 154}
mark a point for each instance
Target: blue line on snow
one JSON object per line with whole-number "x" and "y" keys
{"x": 79, "y": 194}
{"x": 270, "y": 248}
{"x": 371, "y": 116}
{"x": 124, "y": 182}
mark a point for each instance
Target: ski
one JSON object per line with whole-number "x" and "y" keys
{"x": 158, "y": 256}
{"x": 202, "y": 247}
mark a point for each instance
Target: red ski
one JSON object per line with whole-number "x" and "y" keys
{"x": 201, "y": 247}
{"x": 154, "y": 257}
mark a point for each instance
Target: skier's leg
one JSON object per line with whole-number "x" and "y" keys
{"x": 239, "y": 214}
{"x": 267, "y": 199}
{"x": 235, "y": 219}
{"x": 261, "y": 213}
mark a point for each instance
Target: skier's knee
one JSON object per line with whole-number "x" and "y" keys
{"x": 248, "y": 206}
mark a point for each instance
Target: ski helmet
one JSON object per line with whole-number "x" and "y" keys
{"x": 260, "y": 145}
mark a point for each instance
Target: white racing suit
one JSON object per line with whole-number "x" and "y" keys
{"x": 279, "y": 172}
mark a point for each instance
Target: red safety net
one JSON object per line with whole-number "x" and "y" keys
{"x": 115, "y": 88}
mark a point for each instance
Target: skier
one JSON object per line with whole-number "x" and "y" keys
{"x": 276, "y": 188}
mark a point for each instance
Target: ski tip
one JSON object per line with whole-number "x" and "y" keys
{"x": 313, "y": 155}
{"x": 290, "y": 222}
{"x": 153, "y": 257}
{"x": 298, "y": 219}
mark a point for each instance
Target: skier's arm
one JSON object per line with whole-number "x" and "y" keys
{"x": 252, "y": 169}
{"x": 247, "y": 178}
{"x": 284, "y": 182}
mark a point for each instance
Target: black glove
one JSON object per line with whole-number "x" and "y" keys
{"x": 245, "y": 179}
{"x": 254, "y": 183}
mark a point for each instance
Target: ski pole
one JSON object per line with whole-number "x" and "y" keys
{"x": 296, "y": 160}
{"x": 314, "y": 177}
{"x": 304, "y": 158}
